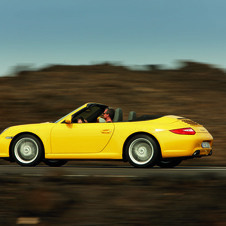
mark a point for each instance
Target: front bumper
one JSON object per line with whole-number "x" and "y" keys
{"x": 5, "y": 145}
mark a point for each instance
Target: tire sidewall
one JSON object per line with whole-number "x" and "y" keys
{"x": 55, "y": 162}
{"x": 38, "y": 157}
{"x": 155, "y": 156}
{"x": 169, "y": 163}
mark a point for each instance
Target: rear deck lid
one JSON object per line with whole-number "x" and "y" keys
{"x": 196, "y": 126}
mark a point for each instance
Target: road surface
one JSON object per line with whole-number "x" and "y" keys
{"x": 111, "y": 171}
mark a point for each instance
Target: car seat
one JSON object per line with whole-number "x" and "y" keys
{"x": 118, "y": 117}
{"x": 132, "y": 116}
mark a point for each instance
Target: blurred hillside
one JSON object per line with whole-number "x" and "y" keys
{"x": 194, "y": 90}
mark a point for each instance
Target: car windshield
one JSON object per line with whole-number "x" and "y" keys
{"x": 90, "y": 113}
{"x": 70, "y": 113}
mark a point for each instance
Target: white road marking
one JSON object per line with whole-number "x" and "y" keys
{"x": 80, "y": 175}
{"x": 195, "y": 169}
{"x": 32, "y": 174}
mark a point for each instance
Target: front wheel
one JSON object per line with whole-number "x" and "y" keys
{"x": 27, "y": 150}
{"x": 142, "y": 151}
{"x": 55, "y": 162}
{"x": 169, "y": 163}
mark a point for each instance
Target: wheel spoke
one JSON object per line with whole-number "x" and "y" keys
{"x": 26, "y": 150}
{"x": 141, "y": 151}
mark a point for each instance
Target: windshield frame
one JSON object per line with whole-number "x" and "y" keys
{"x": 87, "y": 105}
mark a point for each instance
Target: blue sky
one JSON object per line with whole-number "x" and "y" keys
{"x": 131, "y": 32}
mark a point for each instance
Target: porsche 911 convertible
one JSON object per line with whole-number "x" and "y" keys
{"x": 143, "y": 141}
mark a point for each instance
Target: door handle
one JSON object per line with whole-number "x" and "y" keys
{"x": 106, "y": 131}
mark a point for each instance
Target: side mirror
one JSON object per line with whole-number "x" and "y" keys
{"x": 68, "y": 120}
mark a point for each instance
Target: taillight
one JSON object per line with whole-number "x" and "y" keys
{"x": 184, "y": 131}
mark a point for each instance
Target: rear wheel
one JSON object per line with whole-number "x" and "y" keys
{"x": 55, "y": 162}
{"x": 142, "y": 151}
{"x": 27, "y": 150}
{"x": 169, "y": 163}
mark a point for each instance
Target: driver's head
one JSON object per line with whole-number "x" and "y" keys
{"x": 109, "y": 112}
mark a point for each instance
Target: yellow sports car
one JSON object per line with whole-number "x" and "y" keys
{"x": 143, "y": 141}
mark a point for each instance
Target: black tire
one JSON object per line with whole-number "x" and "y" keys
{"x": 55, "y": 162}
{"x": 142, "y": 151}
{"x": 169, "y": 163}
{"x": 27, "y": 150}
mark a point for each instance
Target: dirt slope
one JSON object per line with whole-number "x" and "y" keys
{"x": 196, "y": 91}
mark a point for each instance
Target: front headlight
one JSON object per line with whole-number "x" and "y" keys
{"x": 3, "y": 130}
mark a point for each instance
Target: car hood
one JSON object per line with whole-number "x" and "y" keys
{"x": 32, "y": 128}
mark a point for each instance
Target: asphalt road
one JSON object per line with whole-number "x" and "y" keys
{"x": 111, "y": 171}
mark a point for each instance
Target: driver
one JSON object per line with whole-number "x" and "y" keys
{"x": 81, "y": 120}
{"x": 108, "y": 114}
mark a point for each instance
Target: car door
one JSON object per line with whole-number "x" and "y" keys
{"x": 80, "y": 138}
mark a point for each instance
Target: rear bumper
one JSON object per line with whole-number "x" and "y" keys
{"x": 187, "y": 146}
{"x": 200, "y": 153}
